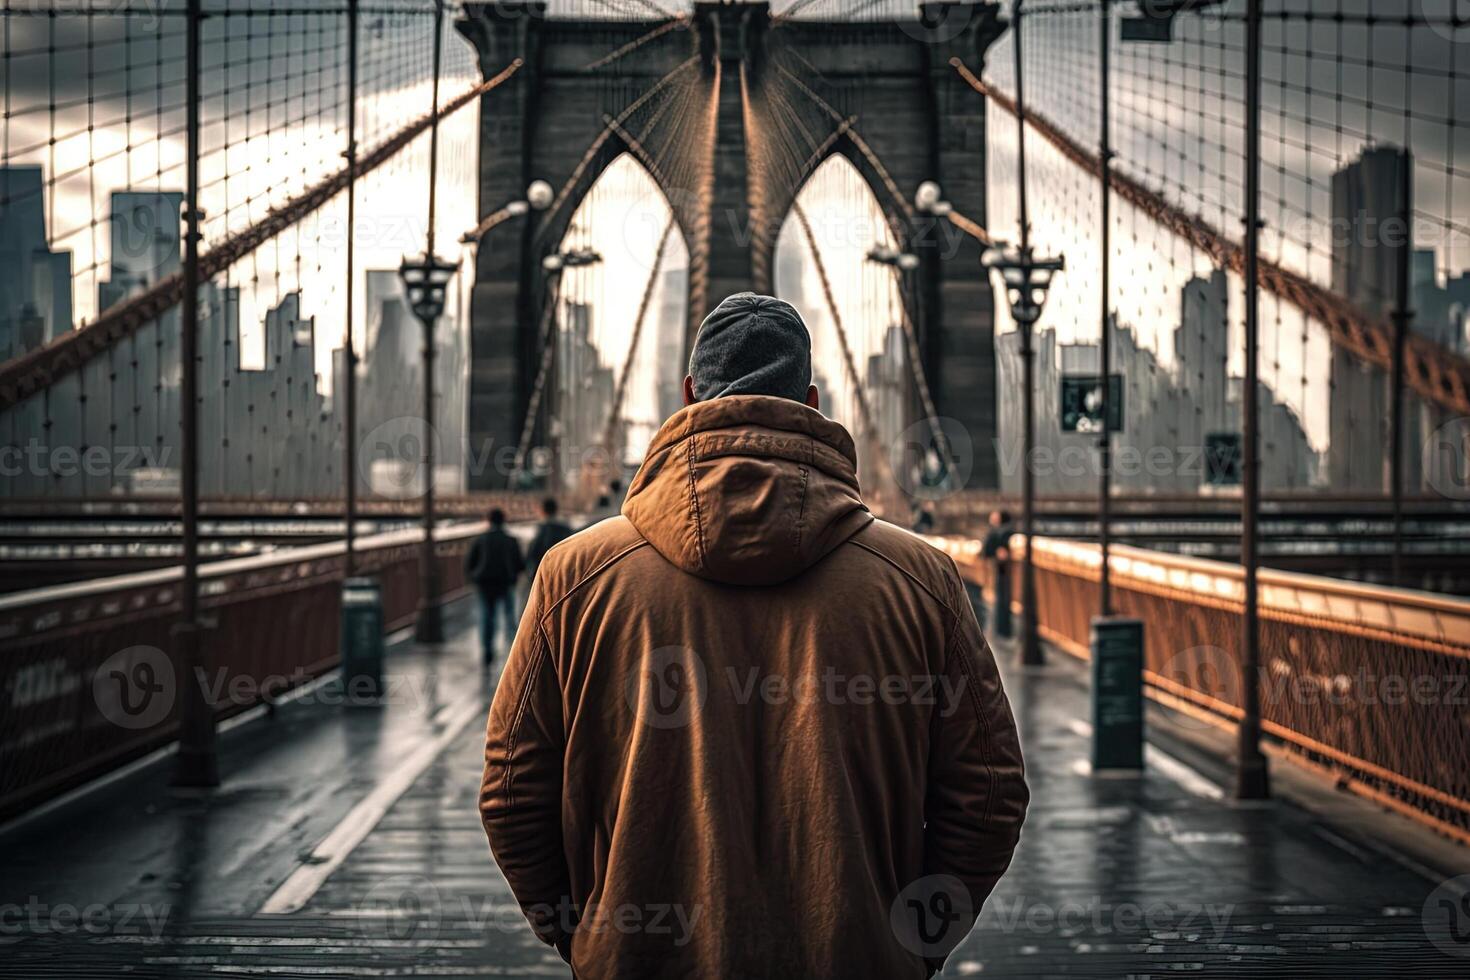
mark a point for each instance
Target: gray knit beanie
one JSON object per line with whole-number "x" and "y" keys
{"x": 752, "y": 345}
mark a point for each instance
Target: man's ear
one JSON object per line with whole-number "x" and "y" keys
{"x": 689, "y": 398}
{"x": 813, "y": 399}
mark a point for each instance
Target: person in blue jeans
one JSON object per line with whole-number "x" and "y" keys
{"x": 493, "y": 565}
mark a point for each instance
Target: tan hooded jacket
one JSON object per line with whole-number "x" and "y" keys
{"x": 746, "y": 730}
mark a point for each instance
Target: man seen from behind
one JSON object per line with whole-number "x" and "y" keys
{"x": 747, "y": 729}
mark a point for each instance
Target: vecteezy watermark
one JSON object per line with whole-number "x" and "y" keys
{"x": 1447, "y": 917}
{"x": 39, "y": 459}
{"x": 401, "y": 909}
{"x": 1077, "y": 462}
{"x": 36, "y": 917}
{"x": 410, "y": 909}
{"x": 1100, "y": 916}
{"x": 939, "y": 23}
{"x": 932, "y": 916}
{"x": 135, "y": 688}
{"x": 668, "y": 687}
{"x": 1446, "y": 18}
{"x": 1446, "y": 459}
{"x": 1206, "y": 670}
{"x": 673, "y": 683}
{"x": 834, "y": 687}
{"x": 671, "y": 919}
{"x": 393, "y": 457}
{"x": 933, "y": 458}
{"x": 407, "y": 690}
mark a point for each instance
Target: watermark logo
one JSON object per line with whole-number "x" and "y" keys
{"x": 135, "y": 688}
{"x": 393, "y": 458}
{"x": 36, "y": 918}
{"x": 1447, "y": 917}
{"x": 667, "y": 688}
{"x": 401, "y": 908}
{"x": 939, "y": 23}
{"x": 1447, "y": 455}
{"x": 928, "y": 467}
{"x": 1206, "y": 670}
{"x": 932, "y": 915}
{"x": 146, "y": 232}
{"x": 1450, "y": 19}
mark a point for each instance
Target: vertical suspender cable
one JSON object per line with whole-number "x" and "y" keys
{"x": 1251, "y": 778}
{"x": 430, "y": 626}
{"x": 1401, "y": 317}
{"x": 1030, "y": 639}
{"x": 196, "y": 764}
{"x": 1105, "y": 345}
{"x": 349, "y": 348}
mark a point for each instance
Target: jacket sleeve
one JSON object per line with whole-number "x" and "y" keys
{"x": 520, "y": 794}
{"x": 977, "y": 796}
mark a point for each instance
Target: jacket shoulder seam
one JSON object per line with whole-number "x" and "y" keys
{"x": 598, "y": 570}
{"x": 694, "y": 501}
{"x": 943, "y": 602}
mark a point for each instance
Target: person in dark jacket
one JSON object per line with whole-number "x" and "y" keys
{"x": 550, "y": 532}
{"x": 493, "y": 566}
{"x": 997, "y": 548}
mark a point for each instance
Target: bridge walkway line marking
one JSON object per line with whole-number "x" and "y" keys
{"x": 303, "y": 883}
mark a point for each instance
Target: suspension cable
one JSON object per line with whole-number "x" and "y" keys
{"x": 870, "y": 429}
{"x": 42, "y": 367}
{"x": 1435, "y": 373}
{"x": 621, "y": 391}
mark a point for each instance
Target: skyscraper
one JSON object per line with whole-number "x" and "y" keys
{"x": 35, "y": 282}
{"x": 1366, "y": 249}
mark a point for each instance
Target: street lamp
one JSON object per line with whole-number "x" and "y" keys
{"x": 554, "y": 264}
{"x": 894, "y": 258}
{"x": 539, "y": 197}
{"x": 1027, "y": 280}
{"x": 929, "y": 199}
{"x": 575, "y": 259}
{"x": 425, "y": 282}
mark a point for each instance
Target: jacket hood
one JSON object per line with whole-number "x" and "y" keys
{"x": 747, "y": 490}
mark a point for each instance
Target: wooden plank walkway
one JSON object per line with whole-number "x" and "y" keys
{"x": 1115, "y": 877}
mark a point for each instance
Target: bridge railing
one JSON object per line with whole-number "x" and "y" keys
{"x": 1369, "y": 683}
{"x": 90, "y": 668}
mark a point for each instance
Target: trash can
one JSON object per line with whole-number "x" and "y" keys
{"x": 362, "y": 640}
{"x": 1117, "y": 693}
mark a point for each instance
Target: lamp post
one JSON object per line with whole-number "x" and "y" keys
{"x": 425, "y": 282}
{"x": 559, "y": 262}
{"x": 894, "y": 258}
{"x": 1026, "y": 280}
{"x": 929, "y": 199}
{"x": 554, "y": 265}
{"x": 539, "y": 197}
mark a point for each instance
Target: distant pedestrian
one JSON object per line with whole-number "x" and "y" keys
{"x": 601, "y": 512}
{"x": 493, "y": 566}
{"x": 923, "y": 520}
{"x": 996, "y": 546}
{"x": 550, "y": 532}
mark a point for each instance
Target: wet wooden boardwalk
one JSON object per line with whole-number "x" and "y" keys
{"x": 1116, "y": 877}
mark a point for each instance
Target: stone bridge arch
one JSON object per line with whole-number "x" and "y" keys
{"x": 743, "y": 110}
